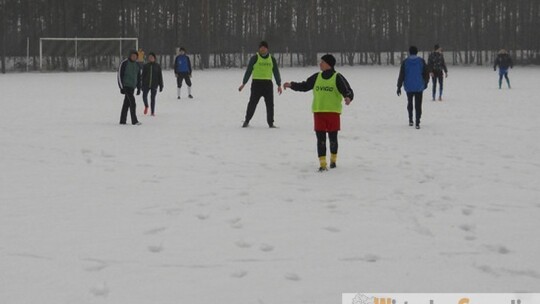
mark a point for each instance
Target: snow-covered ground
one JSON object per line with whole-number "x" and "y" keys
{"x": 191, "y": 208}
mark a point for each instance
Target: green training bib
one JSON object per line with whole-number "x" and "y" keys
{"x": 263, "y": 68}
{"x": 326, "y": 96}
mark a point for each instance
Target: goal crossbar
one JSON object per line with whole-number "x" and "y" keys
{"x": 76, "y": 40}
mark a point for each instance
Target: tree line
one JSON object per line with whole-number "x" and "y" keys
{"x": 222, "y": 32}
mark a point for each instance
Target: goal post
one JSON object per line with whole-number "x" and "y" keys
{"x": 77, "y": 49}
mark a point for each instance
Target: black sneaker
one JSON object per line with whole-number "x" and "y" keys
{"x": 138, "y": 123}
{"x": 323, "y": 169}
{"x": 333, "y": 165}
{"x": 190, "y": 96}
{"x": 245, "y": 124}
{"x": 272, "y": 126}
{"x": 178, "y": 97}
{"x": 417, "y": 127}
{"x": 411, "y": 123}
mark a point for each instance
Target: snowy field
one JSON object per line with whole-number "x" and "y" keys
{"x": 191, "y": 208}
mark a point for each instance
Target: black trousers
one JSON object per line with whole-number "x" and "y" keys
{"x": 129, "y": 104}
{"x": 416, "y": 98}
{"x": 180, "y": 77}
{"x": 153, "y": 93}
{"x": 321, "y": 142}
{"x": 438, "y": 76}
{"x": 261, "y": 88}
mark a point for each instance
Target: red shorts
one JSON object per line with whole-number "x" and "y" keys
{"x": 327, "y": 122}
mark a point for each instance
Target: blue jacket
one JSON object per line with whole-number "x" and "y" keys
{"x": 182, "y": 64}
{"x": 414, "y": 74}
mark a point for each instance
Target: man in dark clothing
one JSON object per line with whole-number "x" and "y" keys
{"x": 329, "y": 88}
{"x": 504, "y": 62}
{"x": 262, "y": 65}
{"x": 129, "y": 79}
{"x": 152, "y": 78}
{"x": 437, "y": 67}
{"x": 182, "y": 70}
{"x": 414, "y": 74}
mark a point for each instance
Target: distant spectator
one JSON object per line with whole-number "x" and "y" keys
{"x": 437, "y": 67}
{"x": 504, "y": 62}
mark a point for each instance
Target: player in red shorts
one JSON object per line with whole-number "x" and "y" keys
{"x": 329, "y": 88}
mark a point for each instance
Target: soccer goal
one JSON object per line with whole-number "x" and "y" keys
{"x": 83, "y": 54}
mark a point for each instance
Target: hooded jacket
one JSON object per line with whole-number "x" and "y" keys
{"x": 436, "y": 63}
{"x": 504, "y": 61}
{"x": 414, "y": 74}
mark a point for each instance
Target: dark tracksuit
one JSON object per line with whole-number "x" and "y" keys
{"x": 182, "y": 69}
{"x": 504, "y": 62}
{"x": 346, "y": 91}
{"x": 437, "y": 66}
{"x": 129, "y": 79}
{"x": 261, "y": 88}
{"x": 414, "y": 75}
{"x": 152, "y": 78}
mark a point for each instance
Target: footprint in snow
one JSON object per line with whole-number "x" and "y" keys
{"x": 86, "y": 151}
{"x": 97, "y": 266}
{"x": 370, "y": 258}
{"x": 292, "y": 277}
{"x": 173, "y": 211}
{"x": 242, "y": 244}
{"x": 266, "y": 248}
{"x": 100, "y": 290}
{"x": 155, "y": 230}
{"x": 203, "y": 217}
{"x": 467, "y": 211}
{"x": 155, "y": 248}
{"x": 467, "y": 228}
{"x": 236, "y": 223}
{"x": 332, "y": 229}
{"x": 498, "y": 249}
{"x": 239, "y": 274}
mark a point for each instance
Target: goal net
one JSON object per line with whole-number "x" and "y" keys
{"x": 84, "y": 54}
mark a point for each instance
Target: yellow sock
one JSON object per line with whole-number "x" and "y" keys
{"x": 333, "y": 158}
{"x": 322, "y": 160}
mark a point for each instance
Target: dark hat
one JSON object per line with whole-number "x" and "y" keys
{"x": 330, "y": 59}
{"x": 152, "y": 54}
{"x": 263, "y": 43}
{"x": 183, "y": 49}
{"x": 436, "y": 47}
{"x": 413, "y": 50}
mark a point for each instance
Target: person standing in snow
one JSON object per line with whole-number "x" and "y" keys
{"x": 140, "y": 57}
{"x": 414, "y": 75}
{"x": 262, "y": 66}
{"x": 329, "y": 88}
{"x": 437, "y": 68}
{"x": 504, "y": 62}
{"x": 129, "y": 79}
{"x": 182, "y": 70}
{"x": 152, "y": 79}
